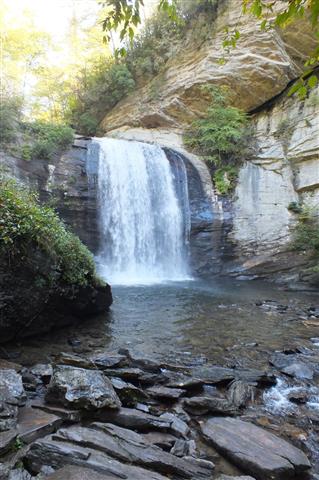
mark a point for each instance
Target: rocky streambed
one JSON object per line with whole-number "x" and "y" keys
{"x": 119, "y": 415}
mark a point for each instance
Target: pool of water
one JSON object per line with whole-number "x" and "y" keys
{"x": 219, "y": 319}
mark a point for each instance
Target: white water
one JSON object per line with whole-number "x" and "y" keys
{"x": 142, "y": 222}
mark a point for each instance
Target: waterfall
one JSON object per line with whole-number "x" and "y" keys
{"x": 144, "y": 226}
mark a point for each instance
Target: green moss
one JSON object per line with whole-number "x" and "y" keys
{"x": 24, "y": 223}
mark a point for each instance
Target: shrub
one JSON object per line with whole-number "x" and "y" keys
{"x": 306, "y": 234}
{"x": 24, "y": 223}
{"x": 220, "y": 137}
{"x": 225, "y": 179}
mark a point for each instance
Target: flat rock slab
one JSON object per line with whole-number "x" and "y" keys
{"x": 137, "y": 420}
{"x": 78, "y": 473}
{"x": 130, "y": 447}
{"x": 255, "y": 450}
{"x": 81, "y": 388}
{"x": 104, "y": 360}
{"x": 61, "y": 454}
{"x": 165, "y": 393}
{"x": 228, "y": 477}
{"x": 66, "y": 414}
{"x": 34, "y": 423}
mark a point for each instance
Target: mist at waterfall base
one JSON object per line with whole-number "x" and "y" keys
{"x": 143, "y": 214}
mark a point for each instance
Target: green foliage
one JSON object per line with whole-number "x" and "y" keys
{"x": 24, "y": 223}
{"x": 295, "y": 207}
{"x": 306, "y": 234}
{"x": 10, "y": 113}
{"x": 225, "y": 179}
{"x": 100, "y": 89}
{"x": 47, "y": 138}
{"x": 219, "y": 137}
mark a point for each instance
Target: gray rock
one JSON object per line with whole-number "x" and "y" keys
{"x": 165, "y": 393}
{"x": 19, "y": 474}
{"x": 203, "y": 405}
{"x": 79, "y": 473}
{"x": 8, "y": 416}
{"x": 160, "y": 439}
{"x": 213, "y": 374}
{"x": 299, "y": 370}
{"x": 176, "y": 425}
{"x": 74, "y": 361}
{"x": 65, "y": 414}
{"x": 184, "y": 448}
{"x": 227, "y": 477}
{"x": 130, "y": 447}
{"x": 127, "y": 392}
{"x": 240, "y": 393}
{"x": 43, "y": 371}
{"x": 104, "y": 360}
{"x": 255, "y": 450}
{"x": 261, "y": 378}
{"x": 7, "y": 440}
{"x": 135, "y": 375}
{"x": 34, "y": 423}
{"x": 81, "y": 388}
{"x": 180, "y": 380}
{"x": 11, "y": 387}
{"x": 137, "y": 420}
{"x": 60, "y": 454}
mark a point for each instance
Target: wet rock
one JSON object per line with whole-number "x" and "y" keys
{"x": 78, "y": 473}
{"x": 7, "y": 440}
{"x": 299, "y": 397}
{"x": 165, "y": 393}
{"x": 160, "y": 439}
{"x": 135, "y": 419}
{"x": 33, "y": 424}
{"x": 180, "y": 413}
{"x": 184, "y": 448}
{"x": 128, "y": 393}
{"x": 254, "y": 450}
{"x": 203, "y": 405}
{"x": 104, "y": 360}
{"x": 43, "y": 371}
{"x": 260, "y": 377}
{"x": 19, "y": 474}
{"x": 142, "y": 362}
{"x": 240, "y": 393}
{"x": 60, "y": 454}
{"x": 130, "y": 447}
{"x": 7, "y": 365}
{"x": 81, "y": 388}
{"x": 30, "y": 381}
{"x": 11, "y": 387}
{"x": 8, "y": 416}
{"x": 299, "y": 370}
{"x": 142, "y": 407}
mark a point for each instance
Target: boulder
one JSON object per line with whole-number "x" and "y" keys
{"x": 255, "y": 450}
{"x": 11, "y": 387}
{"x": 130, "y": 447}
{"x": 82, "y": 389}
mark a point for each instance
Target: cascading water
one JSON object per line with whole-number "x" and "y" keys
{"x": 143, "y": 224}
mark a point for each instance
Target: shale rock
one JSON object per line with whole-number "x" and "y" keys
{"x": 240, "y": 393}
{"x": 255, "y": 450}
{"x": 130, "y": 447}
{"x": 165, "y": 393}
{"x": 137, "y": 420}
{"x": 81, "y": 388}
{"x": 11, "y": 387}
{"x": 60, "y": 454}
{"x": 33, "y": 424}
{"x": 78, "y": 473}
{"x": 128, "y": 393}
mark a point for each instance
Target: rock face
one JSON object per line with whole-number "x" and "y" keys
{"x": 259, "y": 68}
{"x": 255, "y": 450}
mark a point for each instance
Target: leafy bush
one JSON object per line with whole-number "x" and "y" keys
{"x": 24, "y": 223}
{"x": 221, "y": 136}
{"x": 47, "y": 138}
